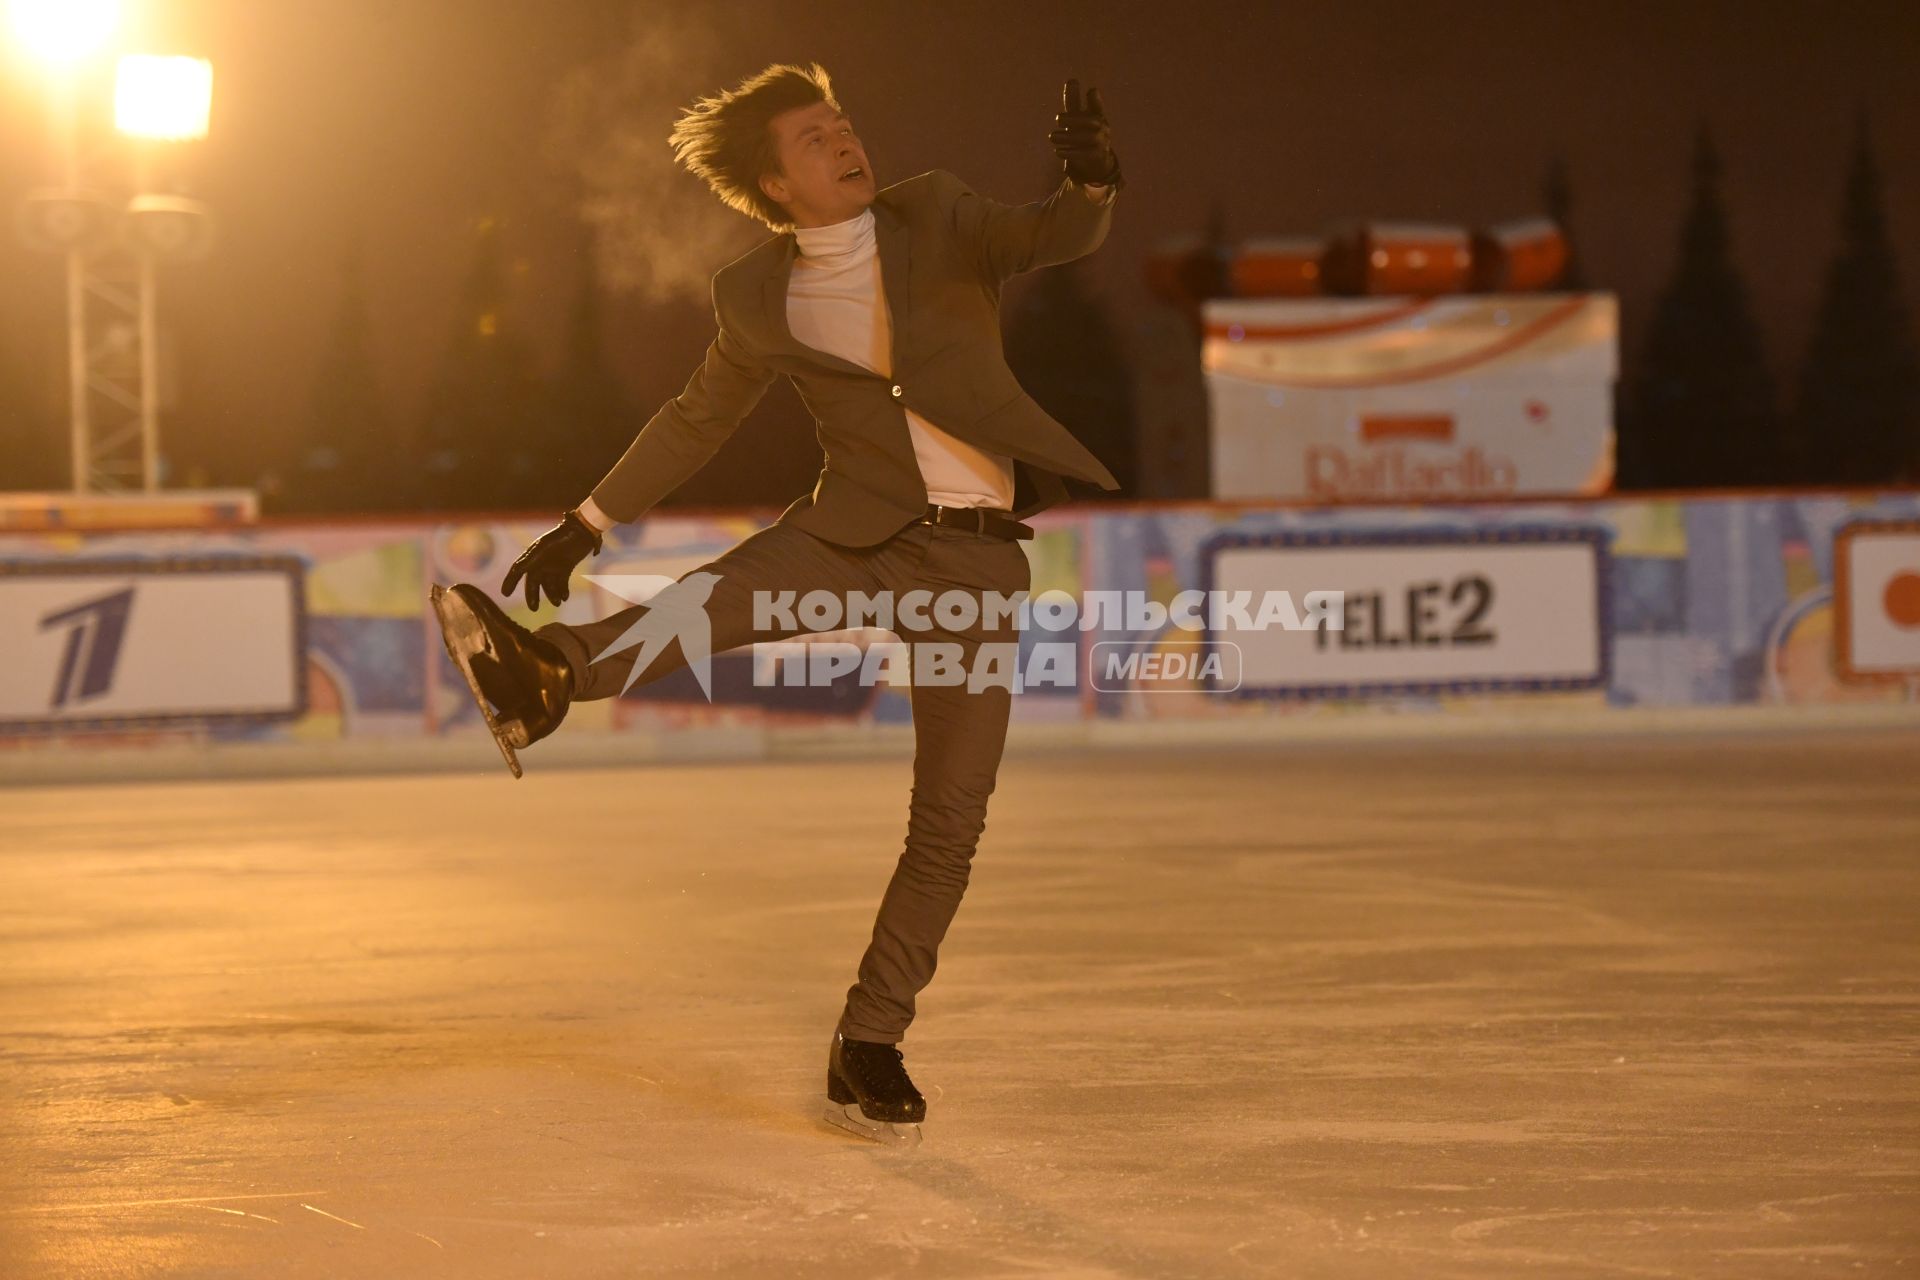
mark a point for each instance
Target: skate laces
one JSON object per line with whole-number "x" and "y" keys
{"x": 876, "y": 1062}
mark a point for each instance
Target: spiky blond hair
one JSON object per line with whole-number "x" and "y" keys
{"x": 726, "y": 141}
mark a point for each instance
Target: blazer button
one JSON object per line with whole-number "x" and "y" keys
{"x": 896, "y": 391}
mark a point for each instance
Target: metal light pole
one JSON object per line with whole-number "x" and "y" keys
{"x": 158, "y": 100}
{"x": 79, "y": 429}
{"x": 66, "y": 219}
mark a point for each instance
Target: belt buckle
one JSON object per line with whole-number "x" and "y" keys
{"x": 941, "y": 516}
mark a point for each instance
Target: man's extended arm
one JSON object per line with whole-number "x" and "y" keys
{"x": 687, "y": 430}
{"x": 1008, "y": 239}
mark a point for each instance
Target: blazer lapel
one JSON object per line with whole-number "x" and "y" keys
{"x": 890, "y": 230}
{"x": 891, "y": 240}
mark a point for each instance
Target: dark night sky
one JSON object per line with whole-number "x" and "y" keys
{"x": 405, "y": 119}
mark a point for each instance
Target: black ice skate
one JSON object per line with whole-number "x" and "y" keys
{"x": 521, "y": 682}
{"x": 868, "y": 1092}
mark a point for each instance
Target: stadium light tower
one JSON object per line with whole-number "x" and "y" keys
{"x": 159, "y": 100}
{"x": 64, "y": 219}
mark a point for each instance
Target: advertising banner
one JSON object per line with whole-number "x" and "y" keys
{"x": 1877, "y": 585}
{"x": 126, "y": 642}
{"x": 1411, "y": 399}
{"x": 1423, "y": 611}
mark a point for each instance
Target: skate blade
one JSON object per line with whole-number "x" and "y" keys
{"x": 463, "y": 635}
{"x": 848, "y": 1116}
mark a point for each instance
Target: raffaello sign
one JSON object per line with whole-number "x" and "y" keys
{"x": 1411, "y": 399}
{"x": 1347, "y": 475}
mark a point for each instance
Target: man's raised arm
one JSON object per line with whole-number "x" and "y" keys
{"x": 1070, "y": 223}
{"x": 1009, "y": 239}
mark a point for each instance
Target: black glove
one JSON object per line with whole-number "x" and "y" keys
{"x": 552, "y": 558}
{"x": 1081, "y": 139}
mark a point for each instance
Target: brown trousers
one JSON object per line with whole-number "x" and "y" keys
{"x": 959, "y": 732}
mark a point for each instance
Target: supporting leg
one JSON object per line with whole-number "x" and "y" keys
{"x": 959, "y": 734}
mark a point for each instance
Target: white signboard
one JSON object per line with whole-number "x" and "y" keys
{"x": 1425, "y": 612}
{"x": 138, "y": 642}
{"x": 1411, "y": 399}
{"x": 1876, "y": 571}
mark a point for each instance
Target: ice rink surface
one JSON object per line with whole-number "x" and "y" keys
{"x": 1595, "y": 1007}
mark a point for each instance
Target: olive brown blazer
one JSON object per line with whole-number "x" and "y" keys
{"x": 944, "y": 254}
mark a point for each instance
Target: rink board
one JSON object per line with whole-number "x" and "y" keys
{"x": 1686, "y": 603}
{"x": 126, "y": 642}
{"x": 1422, "y": 611}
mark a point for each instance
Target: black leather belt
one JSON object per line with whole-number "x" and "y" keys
{"x": 985, "y": 520}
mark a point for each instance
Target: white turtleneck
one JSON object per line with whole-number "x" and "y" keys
{"x": 835, "y": 304}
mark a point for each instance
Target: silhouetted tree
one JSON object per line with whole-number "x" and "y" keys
{"x": 592, "y": 420}
{"x": 345, "y": 459}
{"x": 483, "y": 435}
{"x": 1703, "y": 409}
{"x": 1171, "y": 406}
{"x": 1857, "y": 417}
{"x": 1063, "y": 346}
{"x": 1557, "y": 195}
{"x": 33, "y": 441}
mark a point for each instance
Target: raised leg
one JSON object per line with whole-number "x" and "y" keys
{"x": 777, "y": 558}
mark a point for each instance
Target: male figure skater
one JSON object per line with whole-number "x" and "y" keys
{"x": 882, "y": 306}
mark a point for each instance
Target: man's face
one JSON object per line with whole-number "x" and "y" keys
{"x": 817, "y": 148}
